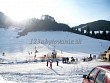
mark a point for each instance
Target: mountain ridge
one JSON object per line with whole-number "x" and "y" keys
{"x": 48, "y": 23}
{"x": 96, "y": 25}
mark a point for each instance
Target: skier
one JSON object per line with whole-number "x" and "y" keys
{"x": 47, "y": 63}
{"x": 84, "y": 59}
{"x": 90, "y": 57}
{"x": 51, "y": 64}
{"x": 94, "y": 56}
{"x": 57, "y": 62}
{"x": 62, "y": 60}
{"x": 67, "y": 59}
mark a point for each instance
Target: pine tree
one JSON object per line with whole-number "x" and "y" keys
{"x": 104, "y": 33}
{"x": 82, "y": 31}
{"x": 88, "y": 31}
{"x": 93, "y": 33}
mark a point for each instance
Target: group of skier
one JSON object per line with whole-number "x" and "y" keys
{"x": 51, "y": 63}
{"x": 89, "y": 58}
{"x": 68, "y": 60}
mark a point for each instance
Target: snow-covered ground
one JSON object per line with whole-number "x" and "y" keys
{"x": 66, "y": 44}
{"x": 40, "y": 73}
{"x": 45, "y": 41}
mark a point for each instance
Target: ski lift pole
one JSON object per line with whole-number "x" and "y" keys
{"x": 35, "y": 52}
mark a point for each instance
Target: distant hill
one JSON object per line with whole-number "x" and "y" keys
{"x": 5, "y": 21}
{"x": 98, "y": 29}
{"x": 46, "y": 23}
{"x": 96, "y": 25}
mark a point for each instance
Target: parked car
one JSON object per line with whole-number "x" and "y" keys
{"x": 99, "y": 74}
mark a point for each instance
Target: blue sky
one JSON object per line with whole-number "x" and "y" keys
{"x": 72, "y": 12}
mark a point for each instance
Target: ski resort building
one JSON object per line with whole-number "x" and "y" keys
{"x": 108, "y": 55}
{"x": 105, "y": 55}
